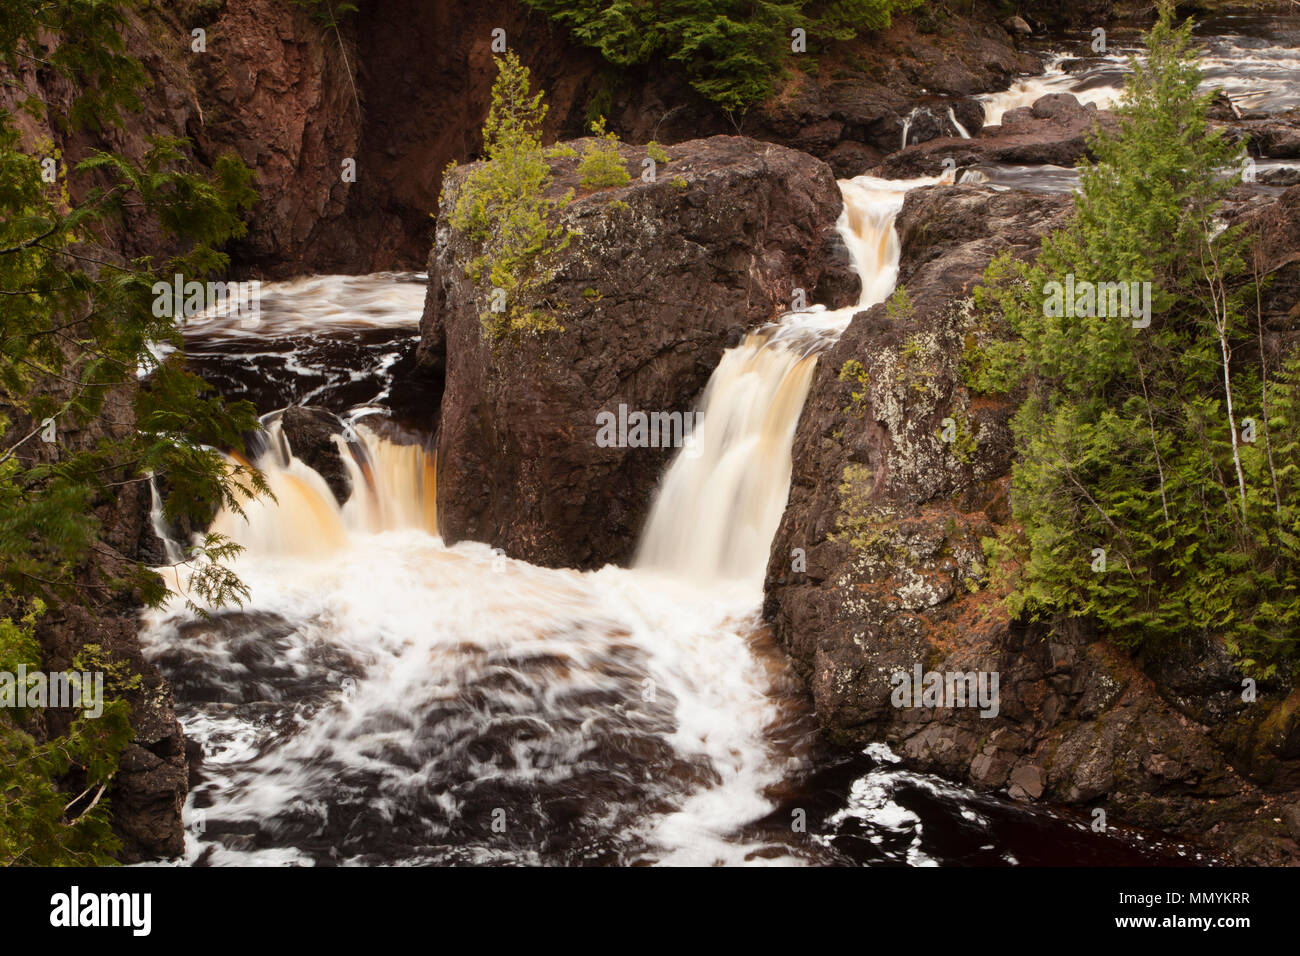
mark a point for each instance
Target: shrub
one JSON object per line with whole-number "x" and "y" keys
{"x": 503, "y": 208}
{"x": 601, "y": 166}
{"x": 732, "y": 50}
{"x": 1130, "y": 440}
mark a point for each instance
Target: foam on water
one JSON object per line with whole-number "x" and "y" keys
{"x": 721, "y": 501}
{"x": 1257, "y": 72}
{"x": 387, "y": 697}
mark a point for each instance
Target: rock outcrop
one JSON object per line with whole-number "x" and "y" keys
{"x": 853, "y": 109}
{"x": 892, "y": 518}
{"x": 1272, "y": 137}
{"x": 661, "y": 278}
{"x": 399, "y": 90}
{"x": 1054, "y": 130}
{"x": 148, "y": 790}
{"x": 310, "y": 433}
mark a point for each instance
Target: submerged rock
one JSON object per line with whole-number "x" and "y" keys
{"x": 310, "y": 432}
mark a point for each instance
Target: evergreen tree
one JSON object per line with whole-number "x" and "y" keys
{"x": 502, "y": 206}
{"x": 1141, "y": 504}
{"x": 77, "y": 336}
{"x": 732, "y": 50}
{"x": 601, "y": 166}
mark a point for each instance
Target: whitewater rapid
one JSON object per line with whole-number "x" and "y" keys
{"x": 385, "y": 697}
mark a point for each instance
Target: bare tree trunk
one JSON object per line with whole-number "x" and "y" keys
{"x": 1219, "y": 308}
{"x": 1164, "y": 503}
{"x": 1232, "y": 421}
{"x": 1263, "y": 366}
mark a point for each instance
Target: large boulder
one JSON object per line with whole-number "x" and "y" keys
{"x": 878, "y": 568}
{"x": 310, "y": 432}
{"x": 661, "y": 277}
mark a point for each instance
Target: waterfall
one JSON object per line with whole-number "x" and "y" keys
{"x": 1101, "y": 88}
{"x": 383, "y": 696}
{"x": 716, "y": 511}
{"x": 393, "y": 487}
{"x": 401, "y": 484}
{"x": 158, "y": 521}
{"x": 719, "y": 505}
{"x": 961, "y": 130}
{"x": 907, "y": 127}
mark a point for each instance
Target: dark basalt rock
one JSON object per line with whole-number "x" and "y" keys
{"x": 1272, "y": 137}
{"x": 662, "y": 277}
{"x": 148, "y": 791}
{"x": 1055, "y": 130}
{"x": 1286, "y": 176}
{"x": 1164, "y": 742}
{"x": 310, "y": 432}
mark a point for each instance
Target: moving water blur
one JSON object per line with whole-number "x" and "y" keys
{"x": 1254, "y": 59}
{"x": 722, "y": 498}
{"x": 335, "y": 341}
{"x": 385, "y": 698}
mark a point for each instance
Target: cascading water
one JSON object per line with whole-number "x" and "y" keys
{"x": 1255, "y": 60}
{"x": 394, "y": 487}
{"x": 722, "y": 498}
{"x": 961, "y": 130}
{"x": 385, "y": 698}
{"x": 1099, "y": 86}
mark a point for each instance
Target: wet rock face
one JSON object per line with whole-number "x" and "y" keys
{"x": 403, "y": 87}
{"x": 889, "y": 522}
{"x": 423, "y": 75}
{"x": 1272, "y": 137}
{"x": 148, "y": 791}
{"x": 277, "y": 90}
{"x": 661, "y": 278}
{"x": 853, "y": 109}
{"x": 1277, "y": 251}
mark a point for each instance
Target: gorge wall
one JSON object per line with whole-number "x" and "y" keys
{"x": 402, "y": 86}
{"x": 402, "y": 89}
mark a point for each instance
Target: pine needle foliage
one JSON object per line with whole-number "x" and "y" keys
{"x": 1156, "y": 469}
